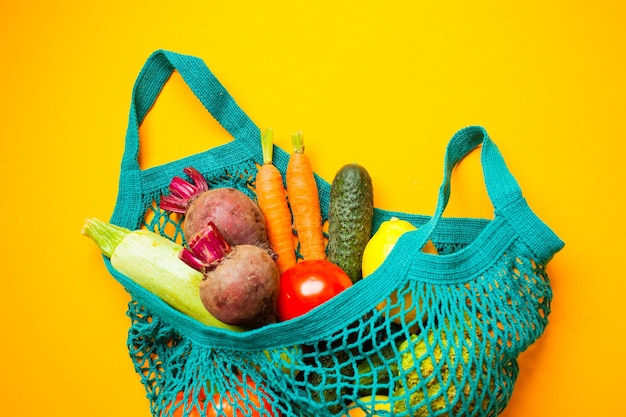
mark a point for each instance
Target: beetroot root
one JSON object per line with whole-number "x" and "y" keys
{"x": 236, "y": 215}
{"x": 242, "y": 288}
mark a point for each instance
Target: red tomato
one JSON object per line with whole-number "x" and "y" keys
{"x": 308, "y": 284}
{"x": 225, "y": 403}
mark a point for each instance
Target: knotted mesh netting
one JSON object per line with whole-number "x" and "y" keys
{"x": 428, "y": 346}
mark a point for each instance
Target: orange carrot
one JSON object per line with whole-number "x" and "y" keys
{"x": 272, "y": 199}
{"x": 304, "y": 201}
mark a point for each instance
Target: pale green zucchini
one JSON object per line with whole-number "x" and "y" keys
{"x": 153, "y": 262}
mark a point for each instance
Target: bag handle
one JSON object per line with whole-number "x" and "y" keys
{"x": 206, "y": 87}
{"x": 502, "y": 187}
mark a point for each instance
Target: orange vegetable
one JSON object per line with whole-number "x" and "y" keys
{"x": 194, "y": 410}
{"x": 304, "y": 201}
{"x": 246, "y": 398}
{"x": 272, "y": 199}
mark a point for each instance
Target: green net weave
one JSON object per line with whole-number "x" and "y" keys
{"x": 423, "y": 335}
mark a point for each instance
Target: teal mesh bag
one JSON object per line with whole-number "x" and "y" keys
{"x": 429, "y": 335}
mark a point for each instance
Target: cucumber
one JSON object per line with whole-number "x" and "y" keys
{"x": 350, "y": 216}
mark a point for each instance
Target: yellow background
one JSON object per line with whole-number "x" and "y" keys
{"x": 382, "y": 83}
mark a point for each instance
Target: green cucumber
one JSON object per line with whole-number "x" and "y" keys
{"x": 350, "y": 215}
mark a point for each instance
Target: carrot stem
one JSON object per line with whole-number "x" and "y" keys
{"x": 297, "y": 140}
{"x": 267, "y": 145}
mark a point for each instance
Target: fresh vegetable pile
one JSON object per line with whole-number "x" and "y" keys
{"x": 251, "y": 262}
{"x": 245, "y": 263}
{"x": 236, "y": 248}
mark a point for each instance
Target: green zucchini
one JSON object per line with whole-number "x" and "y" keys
{"x": 350, "y": 216}
{"x": 152, "y": 261}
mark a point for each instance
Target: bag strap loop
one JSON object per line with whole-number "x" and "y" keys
{"x": 502, "y": 187}
{"x": 153, "y": 76}
{"x": 206, "y": 87}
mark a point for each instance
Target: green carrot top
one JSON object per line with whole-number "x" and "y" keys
{"x": 267, "y": 144}
{"x": 297, "y": 140}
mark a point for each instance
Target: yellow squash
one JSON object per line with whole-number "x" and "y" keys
{"x": 377, "y": 250}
